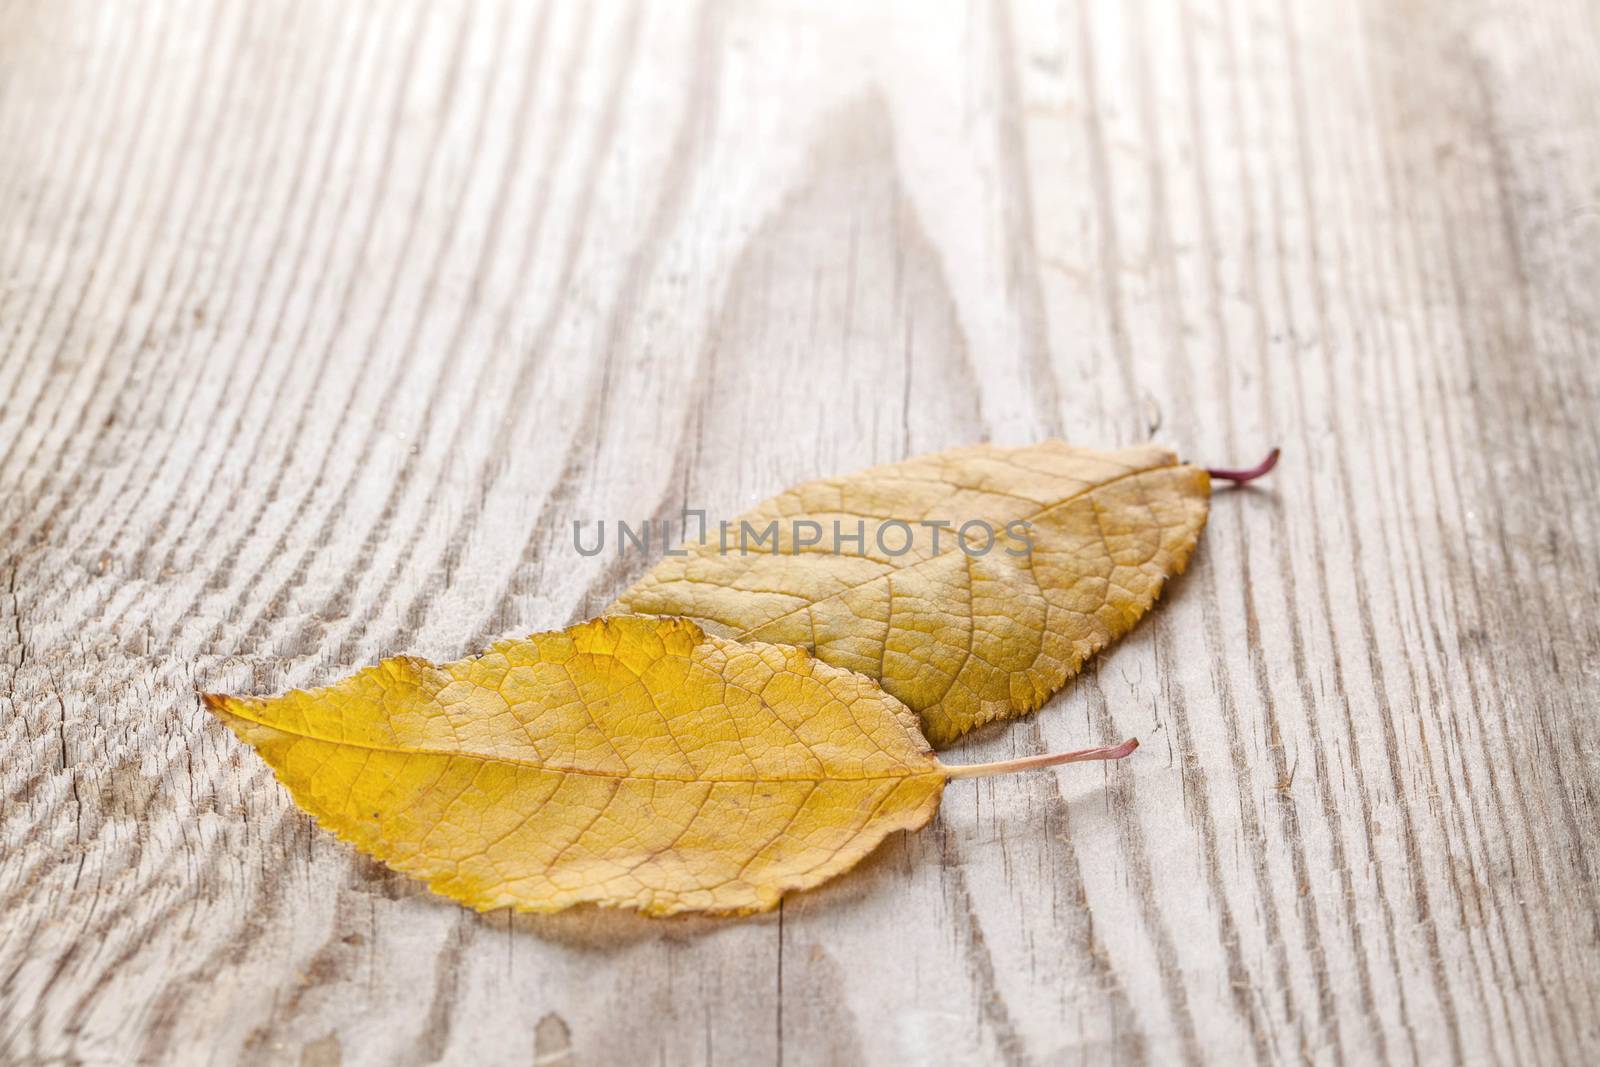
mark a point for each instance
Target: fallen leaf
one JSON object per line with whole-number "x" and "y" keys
{"x": 625, "y": 762}
{"x": 960, "y": 636}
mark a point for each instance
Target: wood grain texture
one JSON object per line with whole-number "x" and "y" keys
{"x": 321, "y": 324}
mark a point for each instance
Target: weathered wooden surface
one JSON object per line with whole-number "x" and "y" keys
{"x": 320, "y": 325}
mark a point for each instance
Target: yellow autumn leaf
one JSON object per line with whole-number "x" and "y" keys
{"x": 967, "y": 624}
{"x": 624, "y": 762}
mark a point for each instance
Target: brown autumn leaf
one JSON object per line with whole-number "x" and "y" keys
{"x": 962, "y": 636}
{"x": 624, "y": 762}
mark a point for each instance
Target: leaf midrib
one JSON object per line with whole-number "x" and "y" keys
{"x": 1080, "y": 494}
{"x": 610, "y": 776}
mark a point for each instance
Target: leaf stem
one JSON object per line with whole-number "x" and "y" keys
{"x": 1049, "y": 759}
{"x": 1240, "y": 477}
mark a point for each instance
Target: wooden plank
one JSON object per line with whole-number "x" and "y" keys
{"x": 320, "y": 325}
